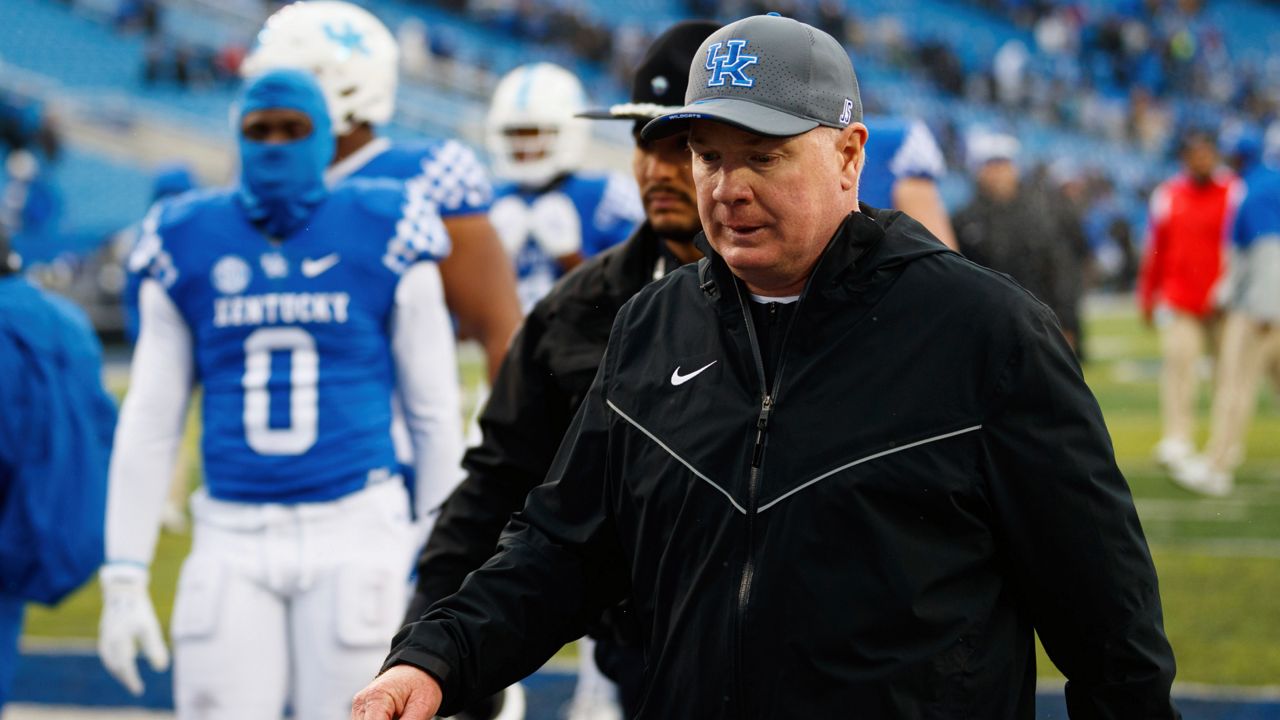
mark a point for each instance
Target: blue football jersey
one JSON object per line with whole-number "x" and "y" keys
{"x": 448, "y": 172}
{"x": 582, "y": 213}
{"x": 897, "y": 148}
{"x": 291, "y": 338}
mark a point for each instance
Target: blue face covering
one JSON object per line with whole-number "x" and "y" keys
{"x": 282, "y": 183}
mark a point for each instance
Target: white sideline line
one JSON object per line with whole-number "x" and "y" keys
{"x": 1197, "y": 691}
{"x": 1225, "y": 547}
{"x": 1207, "y": 510}
{"x": 24, "y": 711}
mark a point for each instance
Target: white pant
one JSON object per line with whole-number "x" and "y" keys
{"x": 1184, "y": 340}
{"x": 288, "y": 602}
{"x": 1248, "y": 348}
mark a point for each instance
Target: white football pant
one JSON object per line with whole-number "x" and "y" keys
{"x": 290, "y": 603}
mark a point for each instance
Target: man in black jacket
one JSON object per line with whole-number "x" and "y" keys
{"x": 554, "y": 357}
{"x": 838, "y": 470}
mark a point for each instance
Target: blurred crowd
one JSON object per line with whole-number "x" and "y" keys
{"x": 1135, "y": 70}
{"x": 1137, "y": 73}
{"x": 30, "y": 144}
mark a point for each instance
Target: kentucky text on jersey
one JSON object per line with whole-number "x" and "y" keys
{"x": 286, "y": 308}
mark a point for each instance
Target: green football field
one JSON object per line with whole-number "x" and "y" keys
{"x": 1218, "y": 559}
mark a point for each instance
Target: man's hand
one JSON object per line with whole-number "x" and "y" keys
{"x": 403, "y": 692}
{"x": 128, "y": 622}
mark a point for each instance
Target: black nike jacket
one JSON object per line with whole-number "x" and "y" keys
{"x": 876, "y": 535}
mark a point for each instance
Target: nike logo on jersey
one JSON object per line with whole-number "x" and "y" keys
{"x": 312, "y": 268}
{"x": 678, "y": 379}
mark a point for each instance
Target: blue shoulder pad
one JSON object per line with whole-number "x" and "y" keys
{"x": 419, "y": 231}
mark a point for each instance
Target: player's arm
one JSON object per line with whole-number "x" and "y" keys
{"x": 480, "y": 286}
{"x": 479, "y": 282}
{"x": 427, "y": 382}
{"x": 1069, "y": 532}
{"x": 919, "y": 198}
{"x": 916, "y": 167}
{"x": 146, "y": 443}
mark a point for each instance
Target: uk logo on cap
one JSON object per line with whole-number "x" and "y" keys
{"x": 730, "y": 65}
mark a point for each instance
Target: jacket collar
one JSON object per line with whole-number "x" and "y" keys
{"x": 856, "y": 235}
{"x": 865, "y": 243}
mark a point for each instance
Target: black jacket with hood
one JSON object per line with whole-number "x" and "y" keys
{"x": 874, "y": 536}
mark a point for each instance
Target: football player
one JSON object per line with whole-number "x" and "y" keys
{"x": 550, "y": 214}
{"x": 297, "y": 337}
{"x": 354, "y": 57}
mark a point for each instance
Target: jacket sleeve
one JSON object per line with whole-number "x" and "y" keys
{"x": 1066, "y": 520}
{"x": 1151, "y": 275}
{"x": 522, "y": 424}
{"x": 558, "y": 566}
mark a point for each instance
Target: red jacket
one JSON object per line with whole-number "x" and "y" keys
{"x": 1188, "y": 229}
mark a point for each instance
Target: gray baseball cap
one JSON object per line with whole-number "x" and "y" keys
{"x": 768, "y": 75}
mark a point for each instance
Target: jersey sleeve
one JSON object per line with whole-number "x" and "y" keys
{"x": 919, "y": 155}
{"x": 148, "y": 258}
{"x": 419, "y": 231}
{"x": 455, "y": 180}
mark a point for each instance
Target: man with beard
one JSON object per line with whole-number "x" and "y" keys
{"x": 554, "y": 357}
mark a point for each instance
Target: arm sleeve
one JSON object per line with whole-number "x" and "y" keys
{"x": 521, "y": 426}
{"x": 558, "y": 566}
{"x": 150, "y": 428}
{"x": 427, "y": 383}
{"x": 1076, "y": 550}
{"x": 1151, "y": 275}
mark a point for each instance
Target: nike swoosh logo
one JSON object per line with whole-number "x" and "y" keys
{"x": 312, "y": 268}
{"x": 678, "y": 379}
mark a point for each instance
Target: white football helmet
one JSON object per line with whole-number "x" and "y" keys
{"x": 349, "y": 51}
{"x": 531, "y": 130}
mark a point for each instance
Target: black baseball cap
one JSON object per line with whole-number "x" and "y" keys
{"x": 659, "y": 84}
{"x": 768, "y": 75}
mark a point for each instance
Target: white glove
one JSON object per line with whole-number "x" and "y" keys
{"x": 128, "y": 621}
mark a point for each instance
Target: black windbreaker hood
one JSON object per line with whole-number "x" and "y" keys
{"x": 867, "y": 244}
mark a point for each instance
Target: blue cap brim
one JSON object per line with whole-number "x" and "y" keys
{"x": 750, "y": 116}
